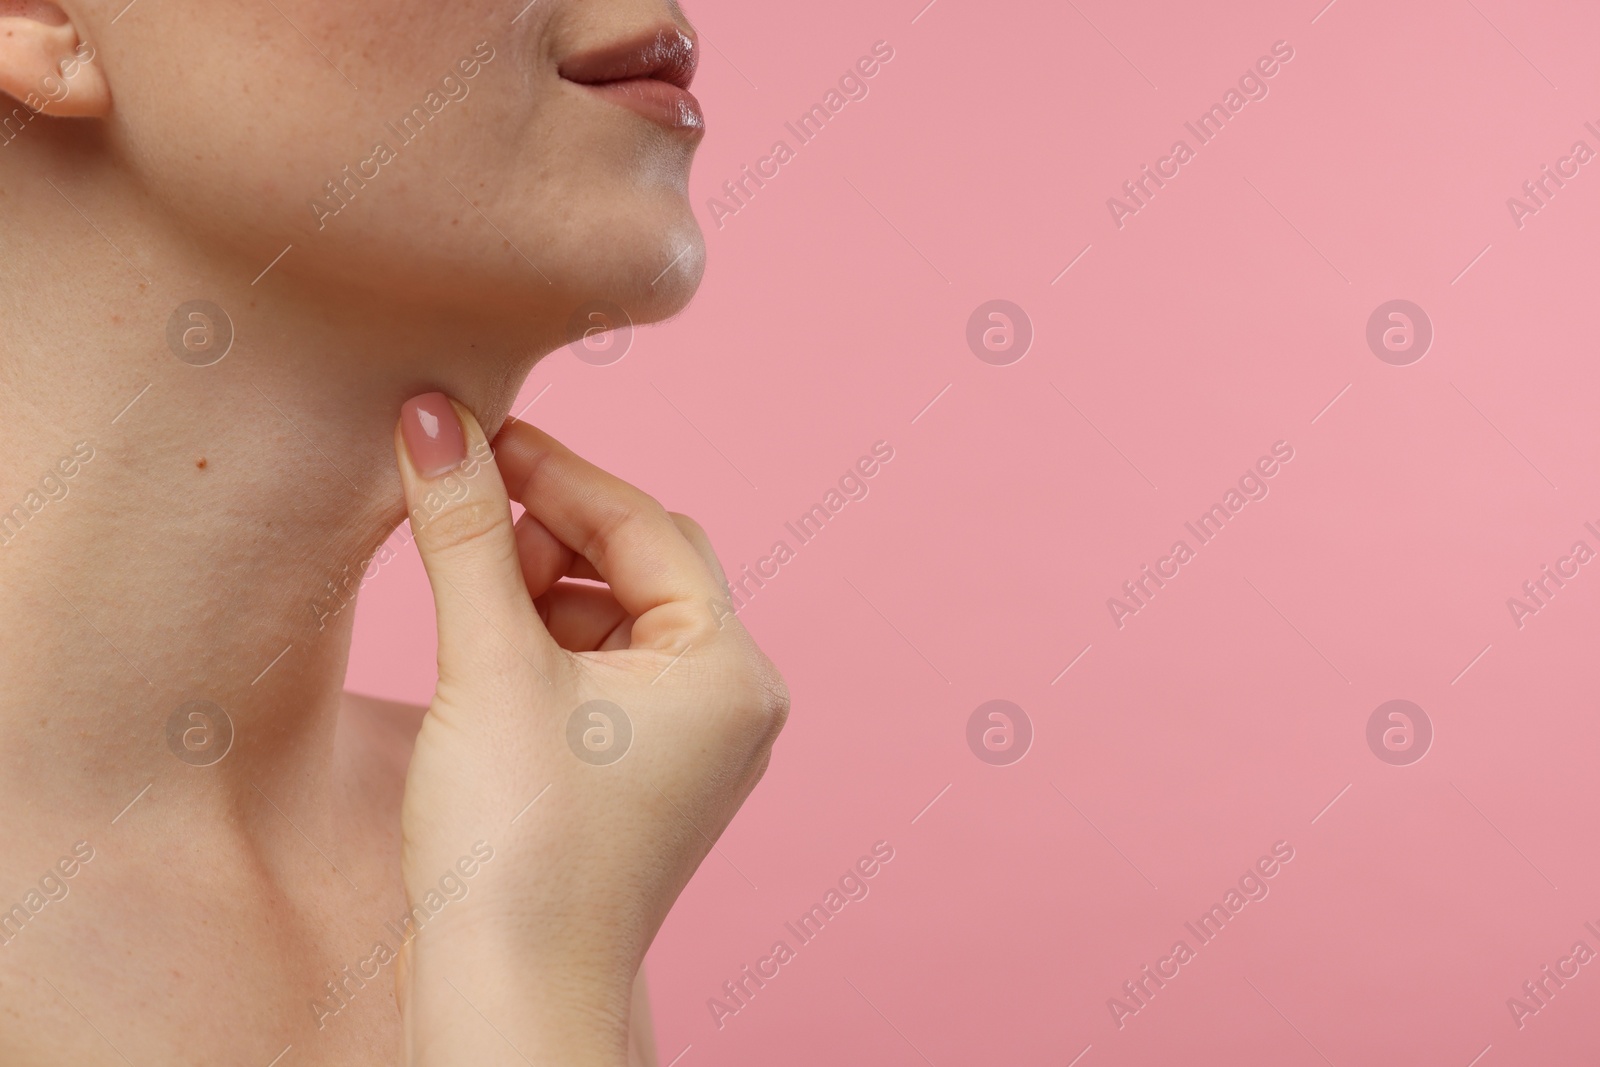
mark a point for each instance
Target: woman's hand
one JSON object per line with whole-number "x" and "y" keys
{"x": 593, "y": 740}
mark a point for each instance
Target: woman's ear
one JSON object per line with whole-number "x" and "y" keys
{"x": 45, "y": 63}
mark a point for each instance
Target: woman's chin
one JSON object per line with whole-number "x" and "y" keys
{"x": 649, "y": 287}
{"x": 670, "y": 288}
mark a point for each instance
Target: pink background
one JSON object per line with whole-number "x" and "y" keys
{"x": 1225, "y": 716}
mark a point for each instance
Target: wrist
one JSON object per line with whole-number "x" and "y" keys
{"x": 474, "y": 997}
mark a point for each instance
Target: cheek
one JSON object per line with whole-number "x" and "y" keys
{"x": 606, "y": 196}
{"x": 312, "y": 133}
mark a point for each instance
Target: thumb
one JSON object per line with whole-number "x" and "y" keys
{"x": 461, "y": 520}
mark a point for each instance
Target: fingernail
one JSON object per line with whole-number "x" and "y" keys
{"x": 432, "y": 433}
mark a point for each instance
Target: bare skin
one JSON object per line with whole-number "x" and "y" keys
{"x": 165, "y": 987}
{"x": 176, "y": 529}
{"x": 172, "y": 933}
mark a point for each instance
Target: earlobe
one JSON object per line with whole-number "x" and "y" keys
{"x": 45, "y": 64}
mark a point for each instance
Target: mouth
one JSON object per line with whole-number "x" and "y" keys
{"x": 648, "y": 74}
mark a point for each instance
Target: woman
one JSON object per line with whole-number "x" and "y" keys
{"x": 273, "y": 274}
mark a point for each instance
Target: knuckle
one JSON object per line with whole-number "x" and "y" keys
{"x": 762, "y": 705}
{"x": 777, "y": 706}
{"x": 760, "y": 771}
{"x": 462, "y": 525}
{"x": 741, "y": 703}
{"x": 711, "y": 622}
{"x": 700, "y": 541}
{"x": 691, "y": 529}
{"x": 621, "y": 516}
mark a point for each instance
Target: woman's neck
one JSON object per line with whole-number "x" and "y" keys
{"x": 173, "y": 533}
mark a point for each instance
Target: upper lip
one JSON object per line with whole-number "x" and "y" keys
{"x": 666, "y": 53}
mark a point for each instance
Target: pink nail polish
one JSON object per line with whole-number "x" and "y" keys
{"x": 432, "y": 434}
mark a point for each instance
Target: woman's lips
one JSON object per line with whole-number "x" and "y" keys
{"x": 649, "y": 75}
{"x": 657, "y": 101}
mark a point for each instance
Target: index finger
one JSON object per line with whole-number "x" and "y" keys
{"x": 628, "y": 537}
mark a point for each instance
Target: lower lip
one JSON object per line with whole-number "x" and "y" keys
{"x": 660, "y": 102}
